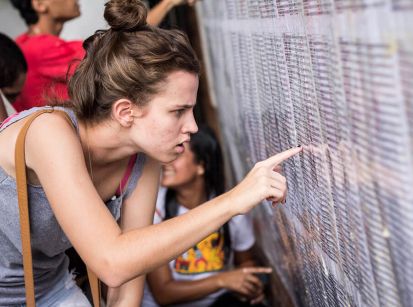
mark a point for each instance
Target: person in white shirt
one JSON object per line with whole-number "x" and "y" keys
{"x": 221, "y": 262}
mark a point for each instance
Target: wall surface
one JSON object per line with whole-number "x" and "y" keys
{"x": 80, "y": 28}
{"x": 337, "y": 77}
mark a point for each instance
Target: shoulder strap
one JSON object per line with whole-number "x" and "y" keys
{"x": 21, "y": 182}
{"x": 94, "y": 284}
{"x": 22, "y": 197}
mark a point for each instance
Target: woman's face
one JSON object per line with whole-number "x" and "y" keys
{"x": 166, "y": 123}
{"x": 182, "y": 171}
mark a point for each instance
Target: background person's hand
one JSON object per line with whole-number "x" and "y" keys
{"x": 244, "y": 282}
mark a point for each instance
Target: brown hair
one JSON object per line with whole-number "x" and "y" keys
{"x": 130, "y": 60}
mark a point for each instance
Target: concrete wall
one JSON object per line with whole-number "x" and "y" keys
{"x": 80, "y": 28}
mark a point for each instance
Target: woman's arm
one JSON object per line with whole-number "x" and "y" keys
{"x": 117, "y": 256}
{"x": 137, "y": 212}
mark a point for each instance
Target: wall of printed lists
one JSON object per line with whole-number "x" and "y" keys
{"x": 337, "y": 77}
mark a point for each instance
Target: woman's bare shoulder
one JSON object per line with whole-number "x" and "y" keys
{"x": 48, "y": 130}
{"x": 51, "y": 133}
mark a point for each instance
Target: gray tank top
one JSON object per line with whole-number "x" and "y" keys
{"x": 48, "y": 240}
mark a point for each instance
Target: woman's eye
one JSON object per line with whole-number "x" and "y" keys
{"x": 179, "y": 113}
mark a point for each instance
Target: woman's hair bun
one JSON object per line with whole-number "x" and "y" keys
{"x": 125, "y": 15}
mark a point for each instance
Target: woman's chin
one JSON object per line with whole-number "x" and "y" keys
{"x": 165, "y": 159}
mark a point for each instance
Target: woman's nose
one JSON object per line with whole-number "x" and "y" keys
{"x": 191, "y": 126}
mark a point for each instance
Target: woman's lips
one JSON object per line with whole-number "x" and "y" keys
{"x": 180, "y": 148}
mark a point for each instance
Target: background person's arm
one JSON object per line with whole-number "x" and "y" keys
{"x": 167, "y": 290}
{"x": 159, "y": 11}
{"x": 246, "y": 259}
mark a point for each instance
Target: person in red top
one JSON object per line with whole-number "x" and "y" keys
{"x": 50, "y": 57}
{"x": 13, "y": 69}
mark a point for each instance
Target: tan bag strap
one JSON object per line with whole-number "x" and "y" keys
{"x": 21, "y": 181}
{"x": 94, "y": 283}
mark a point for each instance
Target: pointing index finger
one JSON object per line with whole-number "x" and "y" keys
{"x": 257, "y": 270}
{"x": 282, "y": 156}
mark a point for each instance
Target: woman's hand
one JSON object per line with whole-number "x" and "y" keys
{"x": 244, "y": 282}
{"x": 262, "y": 182}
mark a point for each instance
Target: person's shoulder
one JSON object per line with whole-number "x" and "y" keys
{"x": 74, "y": 45}
{"x": 55, "y": 123}
{"x": 53, "y": 135}
{"x": 239, "y": 220}
{"x": 22, "y": 38}
{"x": 241, "y": 232}
{"x": 26, "y": 39}
{"x": 36, "y": 44}
{"x": 240, "y": 224}
{"x": 44, "y": 43}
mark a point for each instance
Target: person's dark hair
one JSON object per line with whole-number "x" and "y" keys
{"x": 130, "y": 60}
{"x": 12, "y": 61}
{"x": 207, "y": 151}
{"x": 26, "y": 11}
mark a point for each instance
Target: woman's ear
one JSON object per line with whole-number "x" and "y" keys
{"x": 122, "y": 112}
{"x": 200, "y": 170}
